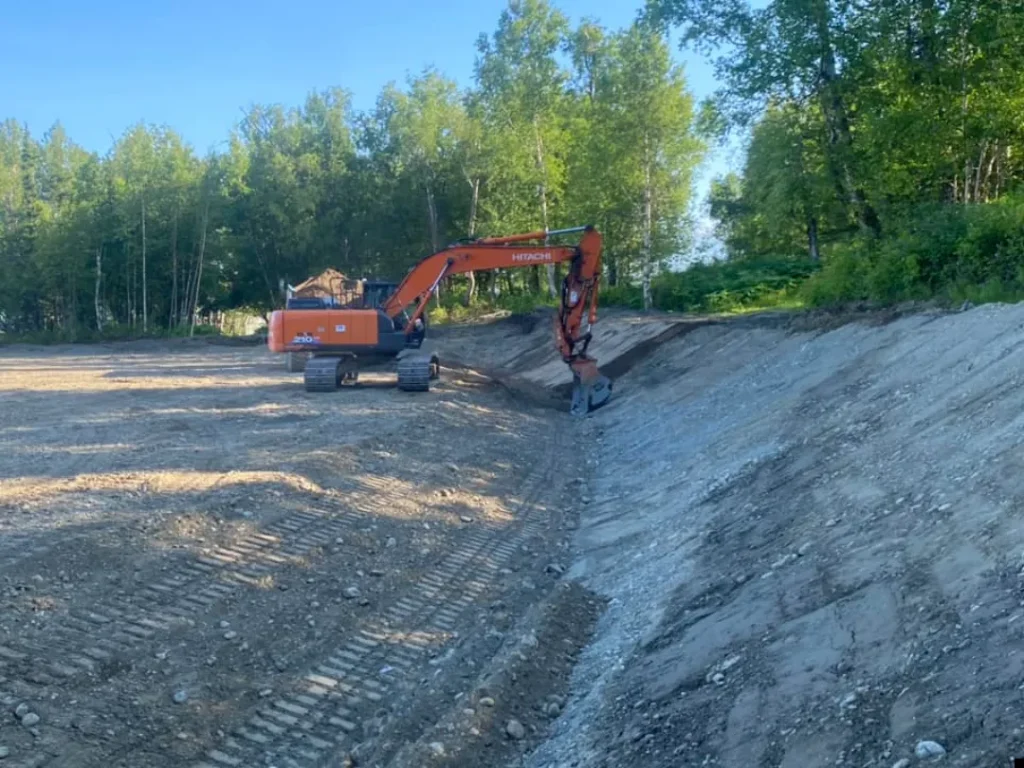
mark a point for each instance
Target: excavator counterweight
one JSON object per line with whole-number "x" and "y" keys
{"x": 332, "y": 339}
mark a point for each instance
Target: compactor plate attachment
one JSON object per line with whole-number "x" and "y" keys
{"x": 590, "y": 388}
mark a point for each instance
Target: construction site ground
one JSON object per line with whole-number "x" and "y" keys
{"x": 787, "y": 542}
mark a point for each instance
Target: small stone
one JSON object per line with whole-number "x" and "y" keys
{"x": 4, "y": 752}
{"x": 515, "y": 730}
{"x": 266, "y": 692}
{"x": 803, "y": 548}
{"x": 437, "y": 748}
{"x": 351, "y": 593}
{"x": 555, "y": 568}
{"x": 552, "y": 709}
{"x": 486, "y": 701}
{"x": 466, "y": 519}
{"x": 468, "y": 712}
{"x": 831, "y": 522}
{"x": 225, "y": 624}
{"x": 180, "y": 697}
{"x": 339, "y": 541}
{"x": 377, "y": 572}
{"x": 30, "y": 719}
{"x": 718, "y": 678}
{"x": 21, "y": 710}
{"x": 927, "y": 749}
{"x": 231, "y": 635}
{"x": 391, "y": 543}
{"x": 904, "y": 763}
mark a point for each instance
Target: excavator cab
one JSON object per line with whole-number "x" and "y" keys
{"x": 376, "y": 292}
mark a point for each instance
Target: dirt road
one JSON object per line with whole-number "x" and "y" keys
{"x": 203, "y": 565}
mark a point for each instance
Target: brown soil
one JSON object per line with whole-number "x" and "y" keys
{"x": 184, "y": 520}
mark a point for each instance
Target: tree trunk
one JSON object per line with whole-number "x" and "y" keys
{"x": 979, "y": 171}
{"x": 130, "y": 288}
{"x": 96, "y": 288}
{"x": 473, "y": 201}
{"x": 542, "y": 167}
{"x": 435, "y": 240}
{"x": 812, "y": 238}
{"x": 145, "y": 309}
{"x": 648, "y": 256}
{"x": 172, "y": 320}
{"x": 199, "y": 270}
{"x": 986, "y": 182}
{"x": 840, "y": 137}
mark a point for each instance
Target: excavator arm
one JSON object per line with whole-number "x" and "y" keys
{"x": 578, "y": 310}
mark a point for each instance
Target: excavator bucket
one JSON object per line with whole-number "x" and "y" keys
{"x": 590, "y": 388}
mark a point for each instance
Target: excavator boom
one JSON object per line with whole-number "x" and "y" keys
{"x": 577, "y": 312}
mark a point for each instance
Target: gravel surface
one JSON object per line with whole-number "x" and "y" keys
{"x": 811, "y": 544}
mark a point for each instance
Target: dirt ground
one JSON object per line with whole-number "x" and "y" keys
{"x": 786, "y": 542}
{"x": 202, "y": 564}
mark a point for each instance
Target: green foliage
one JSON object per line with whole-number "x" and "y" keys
{"x": 721, "y": 287}
{"x": 84, "y": 335}
{"x": 948, "y": 252}
{"x": 729, "y": 285}
{"x": 454, "y": 310}
{"x": 151, "y": 235}
{"x": 887, "y": 132}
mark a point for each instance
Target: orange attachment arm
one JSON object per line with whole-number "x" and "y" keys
{"x": 579, "y": 289}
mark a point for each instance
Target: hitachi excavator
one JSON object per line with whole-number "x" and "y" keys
{"x": 337, "y": 339}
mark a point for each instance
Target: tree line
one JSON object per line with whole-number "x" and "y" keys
{"x": 884, "y": 136}
{"x": 560, "y": 126}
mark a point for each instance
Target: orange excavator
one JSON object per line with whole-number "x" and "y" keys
{"x": 334, "y": 339}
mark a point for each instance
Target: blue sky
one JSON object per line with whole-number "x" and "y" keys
{"x": 99, "y": 67}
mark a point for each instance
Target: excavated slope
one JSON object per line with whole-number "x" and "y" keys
{"x": 812, "y": 545}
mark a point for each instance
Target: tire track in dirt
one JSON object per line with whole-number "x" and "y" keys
{"x": 90, "y": 635}
{"x": 92, "y": 643}
{"x": 89, "y": 639}
{"x": 326, "y": 716}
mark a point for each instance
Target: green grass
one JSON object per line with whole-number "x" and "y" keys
{"x": 110, "y": 333}
{"x": 726, "y": 288}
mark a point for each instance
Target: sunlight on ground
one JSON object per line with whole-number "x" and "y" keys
{"x": 75, "y": 450}
{"x": 176, "y": 481}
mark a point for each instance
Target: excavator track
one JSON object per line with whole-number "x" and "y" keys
{"x": 326, "y": 374}
{"x": 415, "y": 372}
{"x": 296, "y": 361}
